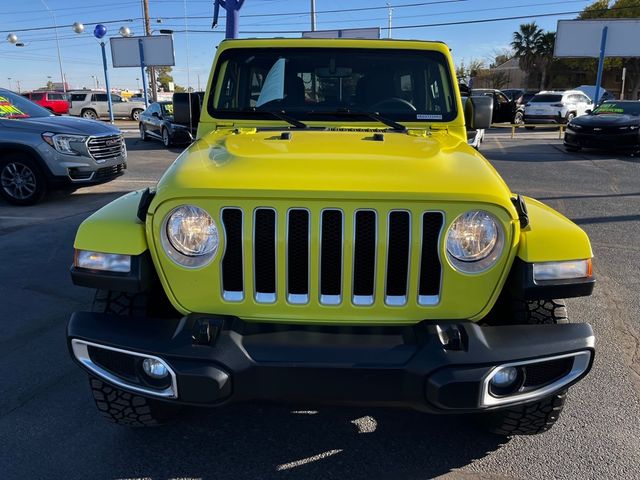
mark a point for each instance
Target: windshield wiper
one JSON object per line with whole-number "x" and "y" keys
{"x": 279, "y": 114}
{"x": 398, "y": 127}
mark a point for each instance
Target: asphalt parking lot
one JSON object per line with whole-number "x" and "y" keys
{"x": 49, "y": 427}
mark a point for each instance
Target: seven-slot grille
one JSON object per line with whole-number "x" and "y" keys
{"x": 104, "y": 148}
{"x": 333, "y": 245}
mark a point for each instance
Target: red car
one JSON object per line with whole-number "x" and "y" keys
{"x": 56, "y": 102}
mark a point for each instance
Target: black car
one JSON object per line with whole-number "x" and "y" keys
{"x": 503, "y": 108}
{"x": 157, "y": 122}
{"x": 520, "y": 98}
{"x": 614, "y": 125}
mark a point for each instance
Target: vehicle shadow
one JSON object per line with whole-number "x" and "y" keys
{"x": 273, "y": 441}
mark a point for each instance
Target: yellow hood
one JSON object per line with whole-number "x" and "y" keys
{"x": 334, "y": 164}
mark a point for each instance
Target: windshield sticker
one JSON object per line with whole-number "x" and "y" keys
{"x": 609, "y": 108}
{"x": 8, "y": 110}
{"x": 427, "y": 116}
{"x": 169, "y": 108}
{"x": 273, "y": 88}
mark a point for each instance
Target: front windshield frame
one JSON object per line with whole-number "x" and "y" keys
{"x": 25, "y": 107}
{"x": 306, "y": 114}
{"x": 603, "y": 108}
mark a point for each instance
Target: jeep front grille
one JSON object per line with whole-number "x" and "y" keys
{"x": 346, "y": 248}
{"x": 104, "y": 148}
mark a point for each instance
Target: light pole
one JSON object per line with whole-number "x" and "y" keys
{"x": 95, "y": 81}
{"x": 138, "y": 84}
{"x": 49, "y": 83}
{"x": 55, "y": 29}
{"x": 9, "y": 78}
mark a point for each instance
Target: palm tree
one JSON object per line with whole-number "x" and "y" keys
{"x": 525, "y": 44}
{"x": 544, "y": 54}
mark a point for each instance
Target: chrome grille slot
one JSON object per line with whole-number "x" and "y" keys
{"x": 104, "y": 148}
{"x": 298, "y": 243}
{"x": 398, "y": 242}
{"x": 331, "y": 245}
{"x": 430, "y": 266}
{"x": 364, "y": 257}
{"x": 264, "y": 254}
{"x": 232, "y": 261}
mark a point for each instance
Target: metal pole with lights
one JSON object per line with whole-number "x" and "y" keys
{"x": 55, "y": 29}
{"x": 99, "y": 32}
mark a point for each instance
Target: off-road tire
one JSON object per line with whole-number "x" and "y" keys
{"x": 120, "y": 303}
{"x": 540, "y": 416}
{"x": 115, "y": 404}
{"x": 129, "y": 409}
{"x": 529, "y": 419}
{"x": 24, "y": 163}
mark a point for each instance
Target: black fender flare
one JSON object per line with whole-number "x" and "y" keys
{"x": 6, "y": 147}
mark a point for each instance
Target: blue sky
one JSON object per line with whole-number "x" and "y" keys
{"x": 37, "y": 60}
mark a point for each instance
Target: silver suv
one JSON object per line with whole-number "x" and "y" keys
{"x": 41, "y": 151}
{"x": 94, "y": 105}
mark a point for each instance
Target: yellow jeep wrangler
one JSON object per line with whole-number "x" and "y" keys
{"x": 330, "y": 237}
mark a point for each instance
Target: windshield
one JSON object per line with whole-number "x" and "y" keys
{"x": 167, "y": 109}
{"x": 546, "y": 98}
{"x": 14, "y": 106}
{"x": 401, "y": 85}
{"x": 619, "y": 108}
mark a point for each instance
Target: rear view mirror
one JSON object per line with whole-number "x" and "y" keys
{"x": 478, "y": 112}
{"x": 186, "y": 109}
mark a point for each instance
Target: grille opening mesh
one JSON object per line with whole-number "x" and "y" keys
{"x": 232, "y": 261}
{"x": 298, "y": 252}
{"x": 265, "y": 250}
{"x": 364, "y": 256}
{"x": 430, "y": 267}
{"x": 331, "y": 253}
{"x": 398, "y": 253}
{"x": 538, "y": 374}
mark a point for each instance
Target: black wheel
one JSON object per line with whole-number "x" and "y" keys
{"x": 129, "y": 409}
{"x": 536, "y": 417}
{"x": 89, "y": 114}
{"x": 21, "y": 181}
{"x": 135, "y": 114}
{"x": 115, "y": 404}
{"x": 518, "y": 118}
{"x": 166, "y": 139}
{"x": 143, "y": 133}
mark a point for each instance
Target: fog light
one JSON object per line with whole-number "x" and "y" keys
{"x": 505, "y": 377}
{"x": 154, "y": 368}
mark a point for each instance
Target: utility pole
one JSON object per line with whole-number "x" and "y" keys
{"x": 18, "y": 83}
{"x": 152, "y": 70}
{"x": 313, "y": 15}
{"x": 390, "y": 18}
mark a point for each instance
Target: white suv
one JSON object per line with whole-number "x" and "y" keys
{"x": 94, "y": 105}
{"x": 556, "y": 107}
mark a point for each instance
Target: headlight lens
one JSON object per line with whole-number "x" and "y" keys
{"x": 190, "y": 236}
{"x": 474, "y": 241}
{"x": 64, "y": 143}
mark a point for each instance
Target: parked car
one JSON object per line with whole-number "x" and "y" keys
{"x": 331, "y": 238}
{"x": 590, "y": 91}
{"x": 157, "y": 122}
{"x": 40, "y": 151}
{"x": 55, "y": 102}
{"x": 503, "y": 108}
{"x": 520, "y": 97}
{"x": 556, "y": 107}
{"x": 614, "y": 125}
{"x": 93, "y": 105}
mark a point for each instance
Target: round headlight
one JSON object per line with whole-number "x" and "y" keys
{"x": 190, "y": 236}
{"x": 474, "y": 241}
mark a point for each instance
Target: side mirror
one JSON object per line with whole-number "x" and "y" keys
{"x": 478, "y": 112}
{"x": 186, "y": 109}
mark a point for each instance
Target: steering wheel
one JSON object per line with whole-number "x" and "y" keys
{"x": 394, "y": 100}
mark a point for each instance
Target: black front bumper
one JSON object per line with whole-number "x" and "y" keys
{"x": 217, "y": 360}
{"x": 603, "y": 141}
